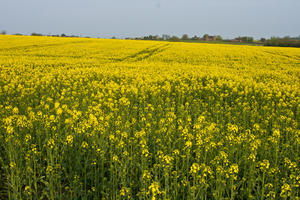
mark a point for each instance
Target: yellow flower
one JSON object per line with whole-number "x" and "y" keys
{"x": 285, "y": 190}
{"x": 232, "y": 128}
{"x": 15, "y": 110}
{"x": 124, "y": 191}
{"x": 154, "y": 188}
{"x": 56, "y": 105}
{"x": 252, "y": 157}
{"x": 51, "y": 143}
{"x": 27, "y": 190}
{"x": 12, "y": 165}
{"x": 69, "y": 139}
{"x": 264, "y": 165}
{"x": 233, "y": 171}
{"x": 176, "y": 152}
{"x": 188, "y": 145}
{"x": 84, "y": 145}
{"x": 27, "y": 137}
{"x": 49, "y": 169}
{"x": 52, "y": 117}
{"x": 59, "y": 111}
{"x": 145, "y": 152}
{"x": 195, "y": 168}
{"x": 115, "y": 158}
{"x": 146, "y": 175}
{"x": 34, "y": 149}
{"x": 9, "y": 129}
{"x": 94, "y": 162}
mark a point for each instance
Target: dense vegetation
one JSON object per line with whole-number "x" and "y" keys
{"x": 283, "y": 42}
{"x": 116, "y": 119}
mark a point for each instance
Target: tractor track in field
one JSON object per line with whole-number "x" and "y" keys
{"x": 145, "y": 53}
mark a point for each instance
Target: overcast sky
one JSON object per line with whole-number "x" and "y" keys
{"x": 129, "y": 18}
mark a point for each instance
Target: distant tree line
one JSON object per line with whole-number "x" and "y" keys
{"x": 286, "y": 41}
{"x": 273, "y": 41}
{"x": 205, "y": 37}
{"x": 175, "y": 38}
{"x": 40, "y": 34}
{"x": 56, "y": 35}
{"x": 283, "y": 42}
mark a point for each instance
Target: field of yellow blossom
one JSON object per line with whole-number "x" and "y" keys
{"x": 117, "y": 119}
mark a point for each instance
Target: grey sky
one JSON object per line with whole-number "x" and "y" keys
{"x": 122, "y": 18}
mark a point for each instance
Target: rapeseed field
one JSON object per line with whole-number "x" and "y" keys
{"x": 117, "y": 119}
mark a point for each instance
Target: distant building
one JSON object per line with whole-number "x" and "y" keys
{"x": 236, "y": 40}
{"x": 210, "y": 38}
{"x": 244, "y": 39}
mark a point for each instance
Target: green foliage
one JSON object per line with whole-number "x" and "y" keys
{"x": 36, "y": 34}
{"x": 245, "y": 39}
{"x": 219, "y": 38}
{"x": 282, "y": 42}
{"x": 174, "y": 39}
{"x": 185, "y": 37}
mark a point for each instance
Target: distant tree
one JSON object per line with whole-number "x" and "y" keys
{"x": 205, "y": 36}
{"x": 250, "y": 39}
{"x": 245, "y": 39}
{"x": 36, "y": 34}
{"x": 150, "y": 37}
{"x": 18, "y": 34}
{"x": 63, "y": 35}
{"x": 185, "y": 37}
{"x": 262, "y": 39}
{"x": 219, "y": 38}
{"x": 113, "y": 37}
{"x": 3, "y": 33}
{"x": 174, "y": 39}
